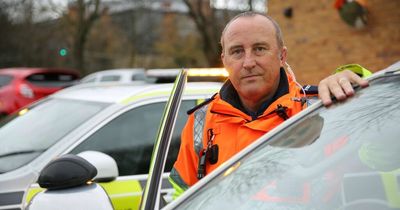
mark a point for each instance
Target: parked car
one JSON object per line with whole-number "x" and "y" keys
{"x": 22, "y": 86}
{"x": 120, "y": 120}
{"x": 137, "y": 75}
{"x": 346, "y": 156}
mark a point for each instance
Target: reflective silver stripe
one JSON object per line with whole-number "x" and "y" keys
{"x": 174, "y": 175}
{"x": 198, "y": 127}
{"x": 11, "y": 198}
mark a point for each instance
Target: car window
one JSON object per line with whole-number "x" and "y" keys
{"x": 110, "y": 78}
{"x": 88, "y": 80}
{"x": 42, "y": 126}
{"x": 342, "y": 157}
{"x": 141, "y": 77}
{"x": 130, "y": 137}
{"x": 5, "y": 80}
{"x": 52, "y": 79}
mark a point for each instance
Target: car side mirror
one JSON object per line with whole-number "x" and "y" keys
{"x": 68, "y": 180}
{"x": 107, "y": 169}
{"x": 66, "y": 172}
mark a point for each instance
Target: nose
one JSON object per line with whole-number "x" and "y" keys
{"x": 249, "y": 61}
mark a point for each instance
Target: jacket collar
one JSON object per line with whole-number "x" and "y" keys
{"x": 230, "y": 95}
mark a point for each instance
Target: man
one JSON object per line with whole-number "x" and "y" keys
{"x": 258, "y": 95}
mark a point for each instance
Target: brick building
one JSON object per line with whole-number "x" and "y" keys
{"x": 318, "y": 40}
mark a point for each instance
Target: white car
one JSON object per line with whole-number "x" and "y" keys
{"x": 127, "y": 75}
{"x": 120, "y": 120}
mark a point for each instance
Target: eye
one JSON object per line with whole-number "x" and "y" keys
{"x": 260, "y": 50}
{"x": 236, "y": 52}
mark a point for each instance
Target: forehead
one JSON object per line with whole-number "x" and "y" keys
{"x": 249, "y": 29}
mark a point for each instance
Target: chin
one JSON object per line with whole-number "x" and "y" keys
{"x": 251, "y": 92}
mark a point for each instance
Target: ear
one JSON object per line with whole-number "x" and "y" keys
{"x": 222, "y": 57}
{"x": 283, "y": 56}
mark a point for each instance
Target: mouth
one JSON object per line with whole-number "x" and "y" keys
{"x": 250, "y": 76}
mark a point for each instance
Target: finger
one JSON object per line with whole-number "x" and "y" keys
{"x": 355, "y": 79}
{"x": 346, "y": 86}
{"x": 324, "y": 93}
{"x": 336, "y": 90}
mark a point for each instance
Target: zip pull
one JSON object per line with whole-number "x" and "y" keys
{"x": 281, "y": 111}
{"x": 302, "y": 100}
{"x": 210, "y": 153}
{"x": 212, "y": 149}
{"x": 201, "y": 169}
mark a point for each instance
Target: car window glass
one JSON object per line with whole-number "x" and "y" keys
{"x": 5, "y": 80}
{"x": 88, "y": 80}
{"x": 52, "y": 79}
{"x": 42, "y": 127}
{"x": 346, "y": 157}
{"x": 129, "y": 138}
{"x": 140, "y": 77}
{"x": 110, "y": 78}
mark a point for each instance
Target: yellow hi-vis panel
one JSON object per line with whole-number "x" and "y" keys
{"x": 32, "y": 192}
{"x": 124, "y": 194}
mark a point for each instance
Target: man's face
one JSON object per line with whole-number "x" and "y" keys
{"x": 252, "y": 57}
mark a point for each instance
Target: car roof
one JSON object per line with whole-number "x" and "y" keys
{"x": 117, "y": 93}
{"x": 125, "y": 75}
{"x": 121, "y": 70}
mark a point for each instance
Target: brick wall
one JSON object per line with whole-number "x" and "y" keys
{"x": 318, "y": 40}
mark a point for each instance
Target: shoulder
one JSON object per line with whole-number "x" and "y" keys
{"x": 207, "y": 101}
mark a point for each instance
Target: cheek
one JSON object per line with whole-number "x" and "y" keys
{"x": 233, "y": 70}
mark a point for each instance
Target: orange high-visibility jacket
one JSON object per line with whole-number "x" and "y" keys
{"x": 233, "y": 130}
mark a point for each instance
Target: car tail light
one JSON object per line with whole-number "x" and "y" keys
{"x": 26, "y": 91}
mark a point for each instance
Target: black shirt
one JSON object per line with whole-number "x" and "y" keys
{"x": 230, "y": 95}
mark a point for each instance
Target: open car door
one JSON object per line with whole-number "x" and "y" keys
{"x": 151, "y": 194}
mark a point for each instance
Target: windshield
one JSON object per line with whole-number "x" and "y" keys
{"x": 342, "y": 157}
{"x": 25, "y": 136}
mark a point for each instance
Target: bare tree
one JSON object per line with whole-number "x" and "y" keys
{"x": 6, "y": 34}
{"x": 81, "y": 16}
{"x": 210, "y": 21}
{"x": 209, "y": 26}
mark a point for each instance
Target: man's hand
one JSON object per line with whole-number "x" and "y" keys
{"x": 339, "y": 85}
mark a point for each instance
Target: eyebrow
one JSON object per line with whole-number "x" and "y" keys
{"x": 235, "y": 47}
{"x": 261, "y": 43}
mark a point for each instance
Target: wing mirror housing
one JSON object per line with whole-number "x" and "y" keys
{"x": 69, "y": 183}
{"x": 107, "y": 169}
{"x": 66, "y": 172}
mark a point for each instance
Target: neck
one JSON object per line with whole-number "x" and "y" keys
{"x": 246, "y": 105}
{"x": 253, "y": 104}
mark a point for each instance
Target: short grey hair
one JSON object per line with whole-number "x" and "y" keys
{"x": 278, "y": 31}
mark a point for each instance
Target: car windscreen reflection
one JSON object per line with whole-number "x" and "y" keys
{"x": 342, "y": 157}
{"x": 44, "y": 126}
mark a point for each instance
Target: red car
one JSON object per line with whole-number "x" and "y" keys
{"x": 21, "y": 86}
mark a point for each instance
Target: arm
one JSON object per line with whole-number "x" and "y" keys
{"x": 183, "y": 174}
